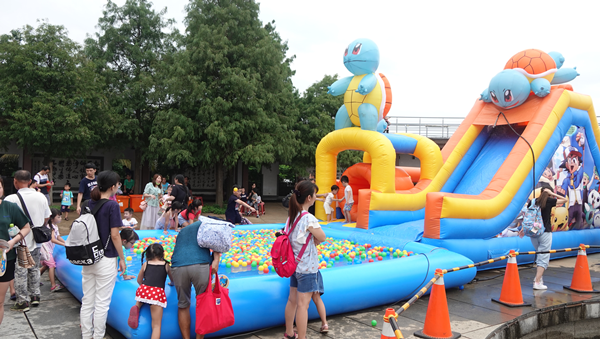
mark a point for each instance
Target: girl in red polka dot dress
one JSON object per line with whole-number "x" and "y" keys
{"x": 152, "y": 279}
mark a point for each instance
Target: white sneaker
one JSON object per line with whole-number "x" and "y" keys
{"x": 539, "y": 286}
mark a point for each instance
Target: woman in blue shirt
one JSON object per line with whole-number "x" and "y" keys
{"x": 191, "y": 264}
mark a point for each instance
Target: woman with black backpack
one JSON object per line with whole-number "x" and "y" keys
{"x": 179, "y": 192}
{"x": 546, "y": 201}
{"x": 98, "y": 280}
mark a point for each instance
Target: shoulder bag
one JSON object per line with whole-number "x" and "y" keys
{"x": 24, "y": 258}
{"x": 41, "y": 234}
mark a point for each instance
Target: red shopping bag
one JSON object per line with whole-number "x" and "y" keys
{"x": 213, "y": 309}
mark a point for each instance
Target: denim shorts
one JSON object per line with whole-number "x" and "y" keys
{"x": 542, "y": 243}
{"x": 308, "y": 282}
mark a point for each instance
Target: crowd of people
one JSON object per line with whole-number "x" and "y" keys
{"x": 168, "y": 207}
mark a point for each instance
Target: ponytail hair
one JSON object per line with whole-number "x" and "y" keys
{"x": 153, "y": 252}
{"x": 53, "y": 213}
{"x": 195, "y": 204}
{"x": 303, "y": 189}
{"x": 106, "y": 180}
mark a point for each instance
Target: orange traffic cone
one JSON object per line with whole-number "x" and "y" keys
{"x": 387, "y": 332}
{"x": 511, "y": 294}
{"x": 581, "y": 282}
{"x": 437, "y": 319}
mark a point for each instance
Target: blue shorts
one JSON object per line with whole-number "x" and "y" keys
{"x": 348, "y": 207}
{"x": 542, "y": 243}
{"x": 308, "y": 282}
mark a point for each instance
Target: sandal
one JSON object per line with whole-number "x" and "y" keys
{"x": 285, "y": 336}
{"x": 324, "y": 329}
{"x": 134, "y": 316}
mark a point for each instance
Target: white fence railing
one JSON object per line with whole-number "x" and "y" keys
{"x": 431, "y": 127}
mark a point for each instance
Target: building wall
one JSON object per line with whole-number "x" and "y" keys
{"x": 270, "y": 180}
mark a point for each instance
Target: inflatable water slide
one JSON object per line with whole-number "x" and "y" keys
{"x": 467, "y": 194}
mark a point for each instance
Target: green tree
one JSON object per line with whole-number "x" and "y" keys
{"x": 232, "y": 92}
{"x": 129, "y": 50}
{"x": 315, "y": 121}
{"x": 50, "y": 98}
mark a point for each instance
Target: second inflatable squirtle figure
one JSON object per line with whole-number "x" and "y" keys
{"x": 528, "y": 72}
{"x": 367, "y": 95}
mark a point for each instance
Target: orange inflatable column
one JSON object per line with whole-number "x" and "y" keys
{"x": 362, "y": 215}
{"x": 437, "y": 319}
{"x": 511, "y": 294}
{"x": 581, "y": 282}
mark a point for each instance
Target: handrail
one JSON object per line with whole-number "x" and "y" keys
{"x": 431, "y": 127}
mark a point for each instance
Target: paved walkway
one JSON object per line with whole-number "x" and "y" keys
{"x": 472, "y": 313}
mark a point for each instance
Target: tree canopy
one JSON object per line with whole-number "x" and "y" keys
{"x": 232, "y": 92}
{"x": 129, "y": 51}
{"x": 218, "y": 95}
{"x": 51, "y": 101}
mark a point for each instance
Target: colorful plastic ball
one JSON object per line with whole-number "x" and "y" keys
{"x": 373, "y": 323}
{"x": 266, "y": 270}
{"x": 128, "y": 258}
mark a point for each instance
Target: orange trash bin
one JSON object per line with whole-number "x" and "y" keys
{"x": 134, "y": 202}
{"x": 123, "y": 201}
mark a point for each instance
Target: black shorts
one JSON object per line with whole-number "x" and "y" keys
{"x": 64, "y": 208}
{"x": 10, "y": 271}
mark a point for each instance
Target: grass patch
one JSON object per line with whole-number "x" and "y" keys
{"x": 214, "y": 209}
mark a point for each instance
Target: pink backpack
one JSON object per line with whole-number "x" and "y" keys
{"x": 282, "y": 254}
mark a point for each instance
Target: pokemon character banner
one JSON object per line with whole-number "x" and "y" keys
{"x": 571, "y": 173}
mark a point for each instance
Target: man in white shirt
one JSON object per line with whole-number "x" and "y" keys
{"x": 42, "y": 182}
{"x": 27, "y": 280}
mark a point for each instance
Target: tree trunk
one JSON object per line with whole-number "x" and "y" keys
{"x": 137, "y": 173}
{"x": 47, "y": 161}
{"x": 50, "y": 178}
{"x": 219, "y": 175}
{"x": 229, "y": 181}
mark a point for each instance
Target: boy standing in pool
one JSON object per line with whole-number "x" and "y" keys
{"x": 349, "y": 198}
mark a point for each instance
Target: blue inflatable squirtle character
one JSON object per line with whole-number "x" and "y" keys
{"x": 367, "y": 95}
{"x": 528, "y": 71}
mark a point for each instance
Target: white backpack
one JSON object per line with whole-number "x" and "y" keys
{"x": 215, "y": 234}
{"x": 83, "y": 246}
